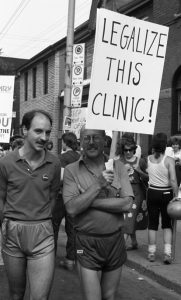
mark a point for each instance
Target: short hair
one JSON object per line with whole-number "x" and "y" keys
{"x": 70, "y": 140}
{"x": 159, "y": 143}
{"x": 126, "y": 140}
{"x": 17, "y": 143}
{"x": 28, "y": 117}
{"x": 175, "y": 141}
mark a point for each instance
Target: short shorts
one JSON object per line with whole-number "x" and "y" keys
{"x": 27, "y": 238}
{"x": 157, "y": 202}
{"x": 104, "y": 252}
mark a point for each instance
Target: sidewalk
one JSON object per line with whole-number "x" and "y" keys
{"x": 167, "y": 275}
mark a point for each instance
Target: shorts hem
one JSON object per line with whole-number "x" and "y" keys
{"x": 102, "y": 269}
{"x": 28, "y": 257}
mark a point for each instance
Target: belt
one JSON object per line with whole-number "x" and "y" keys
{"x": 156, "y": 187}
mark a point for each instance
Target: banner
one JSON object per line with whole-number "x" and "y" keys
{"x": 6, "y": 104}
{"x": 126, "y": 73}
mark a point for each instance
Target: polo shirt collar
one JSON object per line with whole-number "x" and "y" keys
{"x": 82, "y": 159}
{"x": 48, "y": 156}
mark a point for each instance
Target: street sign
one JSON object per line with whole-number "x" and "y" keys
{"x": 77, "y": 74}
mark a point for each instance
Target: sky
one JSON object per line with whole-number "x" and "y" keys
{"x": 29, "y": 26}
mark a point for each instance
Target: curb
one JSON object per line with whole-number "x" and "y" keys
{"x": 154, "y": 276}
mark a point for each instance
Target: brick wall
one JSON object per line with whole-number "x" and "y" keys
{"x": 49, "y": 101}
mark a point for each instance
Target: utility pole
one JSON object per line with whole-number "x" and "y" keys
{"x": 69, "y": 58}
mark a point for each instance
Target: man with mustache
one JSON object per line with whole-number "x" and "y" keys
{"x": 30, "y": 181}
{"x": 97, "y": 199}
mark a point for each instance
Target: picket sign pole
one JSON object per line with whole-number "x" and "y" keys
{"x": 115, "y": 136}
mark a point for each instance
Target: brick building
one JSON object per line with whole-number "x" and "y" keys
{"x": 42, "y": 78}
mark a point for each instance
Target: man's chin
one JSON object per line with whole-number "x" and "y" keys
{"x": 92, "y": 153}
{"x": 40, "y": 147}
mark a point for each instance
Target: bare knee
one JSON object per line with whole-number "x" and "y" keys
{"x": 109, "y": 295}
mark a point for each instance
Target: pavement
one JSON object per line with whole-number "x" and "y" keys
{"x": 167, "y": 275}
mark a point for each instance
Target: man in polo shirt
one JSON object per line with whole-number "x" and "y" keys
{"x": 30, "y": 181}
{"x": 97, "y": 199}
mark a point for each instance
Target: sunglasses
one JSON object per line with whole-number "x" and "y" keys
{"x": 93, "y": 138}
{"x": 129, "y": 150}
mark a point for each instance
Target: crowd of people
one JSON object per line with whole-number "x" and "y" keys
{"x": 103, "y": 207}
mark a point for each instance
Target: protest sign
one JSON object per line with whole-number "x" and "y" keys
{"x": 126, "y": 73}
{"x": 6, "y": 104}
{"x": 78, "y": 119}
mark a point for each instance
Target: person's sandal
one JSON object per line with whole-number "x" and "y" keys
{"x": 167, "y": 259}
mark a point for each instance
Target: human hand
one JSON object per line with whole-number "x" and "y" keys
{"x": 81, "y": 190}
{"x": 175, "y": 199}
{"x": 108, "y": 175}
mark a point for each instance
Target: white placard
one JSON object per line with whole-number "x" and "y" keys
{"x": 6, "y": 104}
{"x": 78, "y": 119}
{"x": 126, "y": 74}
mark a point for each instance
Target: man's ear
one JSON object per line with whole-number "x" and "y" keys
{"x": 24, "y": 131}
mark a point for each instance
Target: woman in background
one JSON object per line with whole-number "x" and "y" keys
{"x": 175, "y": 152}
{"x": 136, "y": 219}
{"x": 162, "y": 188}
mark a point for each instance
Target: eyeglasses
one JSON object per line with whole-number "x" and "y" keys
{"x": 94, "y": 138}
{"x": 129, "y": 150}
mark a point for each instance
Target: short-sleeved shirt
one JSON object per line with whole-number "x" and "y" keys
{"x": 94, "y": 220}
{"x": 28, "y": 191}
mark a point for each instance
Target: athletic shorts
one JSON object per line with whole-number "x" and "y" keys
{"x": 104, "y": 252}
{"x": 157, "y": 202}
{"x": 30, "y": 240}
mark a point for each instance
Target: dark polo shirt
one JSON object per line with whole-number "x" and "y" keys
{"x": 28, "y": 191}
{"x": 94, "y": 220}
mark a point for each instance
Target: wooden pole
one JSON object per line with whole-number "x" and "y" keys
{"x": 115, "y": 136}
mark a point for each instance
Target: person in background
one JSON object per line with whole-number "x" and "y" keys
{"x": 162, "y": 188}
{"x": 175, "y": 152}
{"x": 130, "y": 135}
{"x": 30, "y": 181}
{"x": 137, "y": 218}
{"x": 17, "y": 143}
{"x": 107, "y": 147}
{"x": 49, "y": 145}
{"x": 69, "y": 155}
{"x": 1, "y": 151}
{"x": 97, "y": 198}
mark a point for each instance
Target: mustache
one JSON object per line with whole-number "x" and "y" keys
{"x": 90, "y": 147}
{"x": 41, "y": 143}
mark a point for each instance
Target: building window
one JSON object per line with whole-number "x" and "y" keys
{"x": 45, "y": 77}
{"x": 26, "y": 85}
{"x": 34, "y": 82}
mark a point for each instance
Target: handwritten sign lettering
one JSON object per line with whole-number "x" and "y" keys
{"x": 126, "y": 74}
